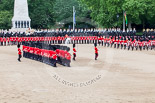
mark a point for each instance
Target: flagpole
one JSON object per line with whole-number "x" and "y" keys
{"x": 73, "y": 18}
{"x": 123, "y": 21}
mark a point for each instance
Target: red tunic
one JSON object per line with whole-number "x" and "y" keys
{"x": 96, "y": 50}
{"x": 4, "y": 39}
{"x": 55, "y": 56}
{"x": 68, "y": 56}
{"x": 19, "y": 51}
{"x": 74, "y": 51}
{"x": 8, "y": 39}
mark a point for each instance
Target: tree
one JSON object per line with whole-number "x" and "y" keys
{"x": 138, "y": 11}
{"x": 41, "y": 13}
{"x": 6, "y": 14}
{"x": 5, "y": 19}
{"x": 63, "y": 11}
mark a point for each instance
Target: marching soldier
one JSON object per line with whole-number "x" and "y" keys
{"x": 96, "y": 51}
{"x": 74, "y": 52}
{"x": 19, "y": 53}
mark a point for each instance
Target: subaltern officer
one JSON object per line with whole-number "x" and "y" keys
{"x": 19, "y": 53}
{"x": 74, "y": 52}
{"x": 96, "y": 51}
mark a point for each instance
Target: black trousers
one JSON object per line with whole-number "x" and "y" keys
{"x": 74, "y": 56}
{"x": 96, "y": 55}
{"x": 19, "y": 57}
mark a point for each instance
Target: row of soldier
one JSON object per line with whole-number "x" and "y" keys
{"x": 130, "y": 42}
{"x": 49, "y": 54}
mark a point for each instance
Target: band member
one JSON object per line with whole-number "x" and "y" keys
{"x": 74, "y": 52}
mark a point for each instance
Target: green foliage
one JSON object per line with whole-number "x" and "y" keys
{"x": 63, "y": 11}
{"x": 44, "y": 14}
{"x": 5, "y": 19}
{"x": 105, "y": 11}
{"x": 41, "y": 13}
{"x": 6, "y": 14}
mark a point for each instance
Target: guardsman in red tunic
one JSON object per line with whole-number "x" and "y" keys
{"x": 34, "y": 39}
{"x": 74, "y": 52}
{"x": 19, "y": 53}
{"x": 125, "y": 43}
{"x": 1, "y": 40}
{"x": 132, "y": 45}
{"x": 87, "y": 39}
{"x": 14, "y": 40}
{"x": 136, "y": 44}
{"x": 19, "y": 40}
{"x": 29, "y": 39}
{"x": 24, "y": 51}
{"x": 115, "y": 43}
{"x": 93, "y": 39}
{"x": 96, "y": 52}
{"x": 102, "y": 40}
{"x": 81, "y": 38}
{"x": 52, "y": 40}
{"x": 113, "y": 40}
{"x": 151, "y": 44}
{"x": 90, "y": 38}
{"x": 39, "y": 55}
{"x": 84, "y": 39}
{"x": 129, "y": 44}
{"x": 55, "y": 40}
{"x": 52, "y": 58}
{"x": 73, "y": 40}
{"x": 99, "y": 40}
{"x": 76, "y": 40}
{"x": 63, "y": 40}
{"x": 108, "y": 41}
{"x": 58, "y": 39}
{"x": 68, "y": 59}
{"x": 96, "y": 39}
{"x": 23, "y": 40}
{"x": 140, "y": 45}
{"x": 148, "y": 45}
{"x": 11, "y": 41}
{"x": 121, "y": 42}
{"x": 118, "y": 44}
{"x": 8, "y": 41}
{"x": 4, "y": 39}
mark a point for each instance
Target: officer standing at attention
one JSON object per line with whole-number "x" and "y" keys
{"x": 96, "y": 51}
{"x": 19, "y": 53}
{"x": 74, "y": 52}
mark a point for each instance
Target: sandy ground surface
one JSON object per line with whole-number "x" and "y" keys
{"x": 118, "y": 76}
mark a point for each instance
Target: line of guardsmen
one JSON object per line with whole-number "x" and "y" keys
{"x": 81, "y": 37}
{"x": 127, "y": 44}
{"x": 119, "y": 41}
{"x": 50, "y": 40}
{"x": 49, "y": 54}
